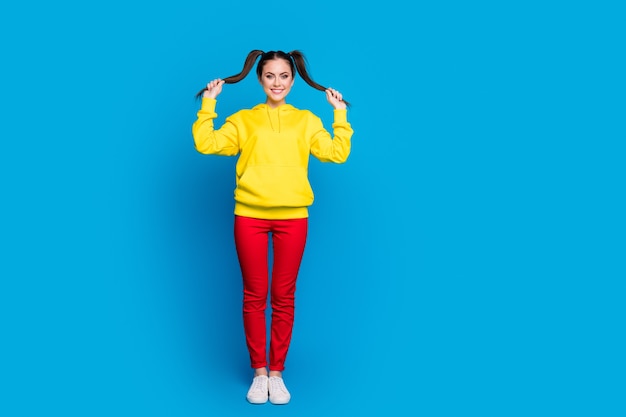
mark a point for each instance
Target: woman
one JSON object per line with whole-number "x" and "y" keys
{"x": 272, "y": 196}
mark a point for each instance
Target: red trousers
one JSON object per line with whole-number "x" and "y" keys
{"x": 251, "y": 241}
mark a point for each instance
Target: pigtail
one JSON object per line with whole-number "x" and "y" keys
{"x": 300, "y": 62}
{"x": 247, "y": 66}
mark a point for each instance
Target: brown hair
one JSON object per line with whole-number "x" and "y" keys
{"x": 296, "y": 59}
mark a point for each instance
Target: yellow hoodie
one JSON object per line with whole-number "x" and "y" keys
{"x": 274, "y": 145}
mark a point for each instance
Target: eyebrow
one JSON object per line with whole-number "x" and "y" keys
{"x": 279, "y": 74}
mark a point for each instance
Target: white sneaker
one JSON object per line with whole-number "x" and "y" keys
{"x": 257, "y": 394}
{"x": 278, "y": 391}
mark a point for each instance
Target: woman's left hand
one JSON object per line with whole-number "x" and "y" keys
{"x": 334, "y": 97}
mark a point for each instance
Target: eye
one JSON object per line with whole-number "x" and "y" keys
{"x": 284, "y": 76}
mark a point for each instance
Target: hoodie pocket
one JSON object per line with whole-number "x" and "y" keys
{"x": 274, "y": 186}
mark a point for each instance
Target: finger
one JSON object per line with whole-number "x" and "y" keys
{"x": 213, "y": 83}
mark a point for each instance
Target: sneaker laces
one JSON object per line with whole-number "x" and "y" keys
{"x": 258, "y": 383}
{"x": 277, "y": 384}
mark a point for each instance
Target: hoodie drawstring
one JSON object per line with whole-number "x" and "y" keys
{"x": 269, "y": 116}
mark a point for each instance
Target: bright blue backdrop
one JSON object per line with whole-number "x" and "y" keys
{"x": 468, "y": 259}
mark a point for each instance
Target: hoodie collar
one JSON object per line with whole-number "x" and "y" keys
{"x": 282, "y": 107}
{"x": 273, "y": 114}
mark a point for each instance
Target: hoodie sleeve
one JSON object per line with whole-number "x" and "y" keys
{"x": 223, "y": 141}
{"x": 337, "y": 148}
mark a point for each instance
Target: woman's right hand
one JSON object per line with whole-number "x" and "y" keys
{"x": 213, "y": 88}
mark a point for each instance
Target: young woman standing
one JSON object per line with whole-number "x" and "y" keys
{"x": 273, "y": 141}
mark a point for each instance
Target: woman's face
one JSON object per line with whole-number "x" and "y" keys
{"x": 276, "y": 80}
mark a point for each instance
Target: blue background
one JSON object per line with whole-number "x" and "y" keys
{"x": 468, "y": 259}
